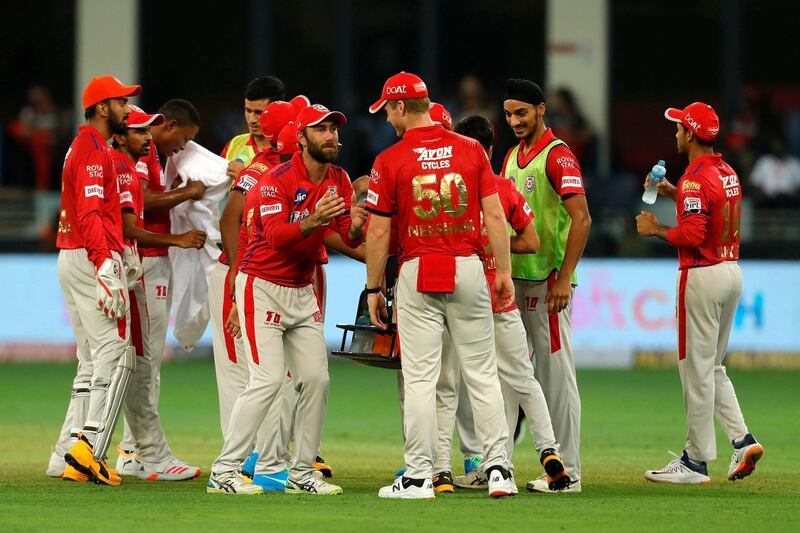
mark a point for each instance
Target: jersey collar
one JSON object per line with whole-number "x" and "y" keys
{"x": 695, "y": 165}
{"x": 423, "y": 131}
{"x": 523, "y": 159}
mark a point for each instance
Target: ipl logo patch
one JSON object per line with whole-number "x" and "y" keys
{"x": 530, "y": 183}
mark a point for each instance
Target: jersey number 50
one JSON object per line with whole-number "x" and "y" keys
{"x": 441, "y": 198}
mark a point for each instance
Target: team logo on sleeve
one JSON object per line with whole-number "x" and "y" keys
{"x": 93, "y": 190}
{"x": 692, "y": 205}
{"x": 141, "y": 167}
{"x": 527, "y": 209}
{"x": 270, "y": 209}
{"x": 372, "y": 197}
{"x": 125, "y": 197}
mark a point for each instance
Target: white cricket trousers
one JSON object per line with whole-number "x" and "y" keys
{"x": 421, "y": 320}
{"x": 550, "y": 340}
{"x": 517, "y": 382}
{"x": 100, "y": 342}
{"x": 282, "y": 331}
{"x": 707, "y": 298}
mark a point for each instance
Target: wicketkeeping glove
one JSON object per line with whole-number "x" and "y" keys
{"x": 111, "y": 297}
{"x": 132, "y": 264}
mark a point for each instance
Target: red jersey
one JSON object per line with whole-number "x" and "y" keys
{"x": 518, "y": 214}
{"x": 278, "y": 251}
{"x": 130, "y": 189}
{"x": 709, "y": 209}
{"x": 562, "y": 167}
{"x": 156, "y": 182}
{"x": 90, "y": 216}
{"x": 247, "y": 179}
{"x": 433, "y": 181}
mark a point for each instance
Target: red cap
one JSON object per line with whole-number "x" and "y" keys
{"x": 300, "y": 102}
{"x": 440, "y": 115}
{"x": 105, "y": 87}
{"x": 139, "y": 119}
{"x": 286, "y": 144}
{"x": 313, "y": 115}
{"x": 274, "y": 117}
{"x": 400, "y": 87}
{"x": 698, "y": 117}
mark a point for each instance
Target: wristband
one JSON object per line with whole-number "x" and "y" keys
{"x": 374, "y": 290}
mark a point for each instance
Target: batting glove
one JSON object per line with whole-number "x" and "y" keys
{"x": 111, "y": 297}
{"x": 132, "y": 264}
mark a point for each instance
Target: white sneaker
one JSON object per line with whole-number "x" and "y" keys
{"x": 128, "y": 463}
{"x": 399, "y": 491}
{"x": 231, "y": 483}
{"x": 501, "y": 483}
{"x": 311, "y": 484}
{"x": 56, "y": 465}
{"x": 744, "y": 460}
{"x": 474, "y": 480}
{"x": 676, "y": 471}
{"x": 173, "y": 470}
{"x": 540, "y": 485}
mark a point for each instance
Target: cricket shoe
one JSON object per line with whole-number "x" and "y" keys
{"x": 249, "y": 465}
{"x": 745, "y": 457}
{"x": 320, "y": 466}
{"x": 501, "y": 482}
{"x": 81, "y": 458}
{"x": 680, "y": 470}
{"x": 405, "y": 488}
{"x": 556, "y": 475}
{"x": 56, "y": 465}
{"x": 473, "y": 463}
{"x": 476, "y": 479}
{"x": 231, "y": 483}
{"x": 173, "y": 470}
{"x": 541, "y": 485}
{"x": 275, "y": 482}
{"x": 70, "y": 474}
{"x": 311, "y": 484}
{"x": 443, "y": 482}
{"x": 128, "y": 463}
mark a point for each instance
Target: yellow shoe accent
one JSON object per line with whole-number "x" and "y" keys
{"x": 70, "y": 474}
{"x": 81, "y": 458}
{"x": 320, "y": 466}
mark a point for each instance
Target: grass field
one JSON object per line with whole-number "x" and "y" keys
{"x": 630, "y": 419}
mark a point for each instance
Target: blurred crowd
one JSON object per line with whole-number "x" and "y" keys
{"x": 760, "y": 139}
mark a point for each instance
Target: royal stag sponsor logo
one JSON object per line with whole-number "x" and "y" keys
{"x": 374, "y": 176}
{"x": 94, "y": 171}
{"x": 269, "y": 191}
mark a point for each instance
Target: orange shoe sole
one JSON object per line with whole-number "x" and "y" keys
{"x": 747, "y": 466}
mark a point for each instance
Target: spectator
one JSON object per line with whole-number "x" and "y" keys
{"x": 472, "y": 100}
{"x": 568, "y": 124}
{"x": 775, "y": 179}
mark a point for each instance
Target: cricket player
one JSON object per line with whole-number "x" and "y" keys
{"x": 241, "y": 149}
{"x": 708, "y": 203}
{"x": 547, "y": 174}
{"x": 153, "y": 455}
{"x": 93, "y": 282}
{"x": 181, "y": 124}
{"x": 283, "y": 322}
{"x": 437, "y": 184}
{"x": 514, "y": 366}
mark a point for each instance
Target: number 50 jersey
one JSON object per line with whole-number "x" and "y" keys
{"x": 433, "y": 181}
{"x": 709, "y": 209}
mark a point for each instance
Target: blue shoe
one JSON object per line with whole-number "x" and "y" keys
{"x": 401, "y": 471}
{"x": 272, "y": 482}
{"x": 249, "y": 465}
{"x": 471, "y": 464}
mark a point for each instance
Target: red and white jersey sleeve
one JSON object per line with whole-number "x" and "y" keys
{"x": 564, "y": 171}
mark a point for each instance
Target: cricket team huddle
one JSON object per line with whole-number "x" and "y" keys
{"x": 481, "y": 303}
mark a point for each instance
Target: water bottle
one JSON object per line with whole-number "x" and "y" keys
{"x": 656, "y": 175}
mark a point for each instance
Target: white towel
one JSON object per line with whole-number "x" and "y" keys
{"x": 190, "y": 266}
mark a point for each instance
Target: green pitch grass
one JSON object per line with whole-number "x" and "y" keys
{"x": 630, "y": 420}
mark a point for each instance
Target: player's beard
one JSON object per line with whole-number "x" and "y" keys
{"x": 317, "y": 154}
{"x": 117, "y": 124}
